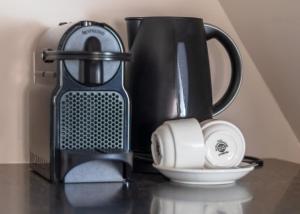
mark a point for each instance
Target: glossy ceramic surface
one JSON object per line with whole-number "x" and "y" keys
{"x": 225, "y": 144}
{"x": 181, "y": 141}
{"x": 206, "y": 176}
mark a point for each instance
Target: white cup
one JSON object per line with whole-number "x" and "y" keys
{"x": 224, "y": 142}
{"x": 178, "y": 144}
{"x": 185, "y": 144}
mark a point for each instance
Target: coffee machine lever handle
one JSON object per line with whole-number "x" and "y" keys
{"x": 51, "y": 55}
{"x": 236, "y": 66}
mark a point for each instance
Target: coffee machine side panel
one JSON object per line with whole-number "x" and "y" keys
{"x": 40, "y": 99}
{"x": 40, "y": 102}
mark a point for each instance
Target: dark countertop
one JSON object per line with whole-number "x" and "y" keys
{"x": 273, "y": 189}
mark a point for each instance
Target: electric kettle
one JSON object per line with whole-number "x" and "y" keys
{"x": 169, "y": 75}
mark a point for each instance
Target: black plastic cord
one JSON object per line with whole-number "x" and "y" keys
{"x": 258, "y": 163}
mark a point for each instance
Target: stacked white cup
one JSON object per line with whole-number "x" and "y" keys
{"x": 187, "y": 144}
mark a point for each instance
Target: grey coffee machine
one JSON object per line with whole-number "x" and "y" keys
{"x": 79, "y": 109}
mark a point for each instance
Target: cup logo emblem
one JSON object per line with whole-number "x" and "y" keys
{"x": 221, "y": 147}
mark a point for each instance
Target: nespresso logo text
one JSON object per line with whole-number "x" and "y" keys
{"x": 93, "y": 31}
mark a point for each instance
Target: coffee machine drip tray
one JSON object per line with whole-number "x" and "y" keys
{"x": 94, "y": 166}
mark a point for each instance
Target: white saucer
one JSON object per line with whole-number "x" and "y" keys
{"x": 206, "y": 176}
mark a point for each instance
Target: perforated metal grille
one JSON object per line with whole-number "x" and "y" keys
{"x": 91, "y": 120}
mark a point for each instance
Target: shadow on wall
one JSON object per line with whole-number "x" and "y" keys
{"x": 271, "y": 37}
{"x": 17, "y": 41}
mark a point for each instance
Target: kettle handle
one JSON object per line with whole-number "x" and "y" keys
{"x": 236, "y": 66}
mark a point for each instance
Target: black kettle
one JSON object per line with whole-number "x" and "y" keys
{"x": 169, "y": 75}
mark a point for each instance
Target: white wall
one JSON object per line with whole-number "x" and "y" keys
{"x": 255, "y": 110}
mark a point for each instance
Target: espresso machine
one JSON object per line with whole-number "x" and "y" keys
{"x": 79, "y": 109}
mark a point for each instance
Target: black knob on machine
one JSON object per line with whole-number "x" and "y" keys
{"x": 91, "y": 71}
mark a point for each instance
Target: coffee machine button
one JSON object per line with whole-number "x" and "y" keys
{"x": 86, "y": 23}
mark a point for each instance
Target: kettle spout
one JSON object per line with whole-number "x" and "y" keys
{"x": 133, "y": 25}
